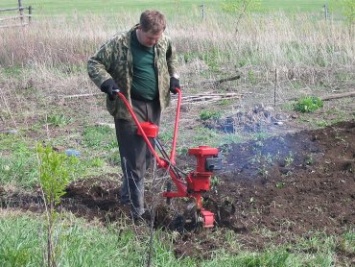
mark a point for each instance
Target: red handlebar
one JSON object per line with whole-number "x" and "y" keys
{"x": 160, "y": 161}
{"x": 176, "y": 127}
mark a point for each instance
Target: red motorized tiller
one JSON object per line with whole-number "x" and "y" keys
{"x": 191, "y": 185}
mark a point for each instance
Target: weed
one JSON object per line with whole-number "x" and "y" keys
{"x": 263, "y": 171}
{"x": 17, "y": 163}
{"x": 166, "y": 136}
{"x": 58, "y": 120}
{"x": 114, "y": 157}
{"x": 208, "y": 114}
{"x": 280, "y": 185}
{"x": 99, "y": 137}
{"x": 289, "y": 159}
{"x": 308, "y": 160}
{"x": 348, "y": 243}
{"x": 211, "y": 59}
{"x": 205, "y": 136}
{"x": 308, "y": 104}
{"x": 182, "y": 150}
{"x": 322, "y": 123}
{"x": 251, "y": 77}
{"x": 214, "y": 183}
{"x": 230, "y": 138}
{"x": 225, "y": 102}
{"x": 96, "y": 162}
{"x": 260, "y": 136}
{"x": 262, "y": 162}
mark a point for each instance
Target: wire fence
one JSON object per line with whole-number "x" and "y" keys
{"x": 15, "y": 16}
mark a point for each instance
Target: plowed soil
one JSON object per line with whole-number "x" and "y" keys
{"x": 272, "y": 190}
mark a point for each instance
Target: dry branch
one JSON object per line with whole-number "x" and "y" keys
{"x": 209, "y": 97}
{"x": 14, "y": 25}
{"x": 218, "y": 82}
{"x": 15, "y": 17}
{"x": 200, "y": 98}
{"x": 329, "y": 97}
{"x": 110, "y": 125}
{"x": 78, "y": 95}
{"x": 336, "y": 96}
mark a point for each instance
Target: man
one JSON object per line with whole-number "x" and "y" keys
{"x": 142, "y": 65}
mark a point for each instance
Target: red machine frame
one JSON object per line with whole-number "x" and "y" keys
{"x": 196, "y": 182}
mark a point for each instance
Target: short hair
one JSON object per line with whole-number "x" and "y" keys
{"x": 152, "y": 21}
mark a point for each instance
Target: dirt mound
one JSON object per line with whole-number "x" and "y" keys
{"x": 292, "y": 185}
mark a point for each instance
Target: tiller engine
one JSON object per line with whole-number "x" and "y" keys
{"x": 191, "y": 185}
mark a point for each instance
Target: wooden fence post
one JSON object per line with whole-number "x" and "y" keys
{"x": 29, "y": 14}
{"x": 20, "y": 8}
{"x": 22, "y": 16}
{"x": 325, "y": 11}
{"x": 202, "y": 11}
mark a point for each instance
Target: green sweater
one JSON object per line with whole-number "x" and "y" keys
{"x": 144, "y": 85}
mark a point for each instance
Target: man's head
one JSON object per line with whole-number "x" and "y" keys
{"x": 151, "y": 26}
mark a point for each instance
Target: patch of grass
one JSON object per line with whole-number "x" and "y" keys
{"x": 309, "y": 160}
{"x": 320, "y": 246}
{"x": 211, "y": 58}
{"x": 113, "y": 157}
{"x": 78, "y": 245}
{"x": 58, "y": 120}
{"x": 289, "y": 159}
{"x": 166, "y": 136}
{"x": 210, "y": 114}
{"x": 280, "y": 185}
{"x": 322, "y": 123}
{"x": 82, "y": 244}
{"x": 308, "y": 104}
{"x": 18, "y": 164}
{"x": 348, "y": 242}
{"x": 99, "y": 137}
{"x": 205, "y": 136}
{"x": 230, "y": 138}
{"x": 96, "y": 162}
{"x": 225, "y": 102}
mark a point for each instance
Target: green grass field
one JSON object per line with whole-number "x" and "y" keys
{"x": 44, "y": 7}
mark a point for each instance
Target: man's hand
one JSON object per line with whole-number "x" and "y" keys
{"x": 108, "y": 87}
{"x": 174, "y": 84}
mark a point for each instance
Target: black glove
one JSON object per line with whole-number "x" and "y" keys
{"x": 174, "y": 84}
{"x": 108, "y": 87}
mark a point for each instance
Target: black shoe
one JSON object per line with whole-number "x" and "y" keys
{"x": 124, "y": 201}
{"x": 146, "y": 217}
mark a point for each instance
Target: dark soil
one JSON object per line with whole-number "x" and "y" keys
{"x": 293, "y": 185}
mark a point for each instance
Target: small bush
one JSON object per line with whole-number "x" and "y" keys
{"x": 208, "y": 114}
{"x": 308, "y": 104}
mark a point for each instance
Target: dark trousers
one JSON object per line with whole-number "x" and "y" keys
{"x": 135, "y": 154}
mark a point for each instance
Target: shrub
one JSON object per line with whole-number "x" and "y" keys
{"x": 308, "y": 104}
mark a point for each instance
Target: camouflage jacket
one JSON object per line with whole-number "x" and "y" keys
{"x": 114, "y": 60}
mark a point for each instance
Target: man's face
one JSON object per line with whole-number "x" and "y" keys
{"x": 148, "y": 39}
